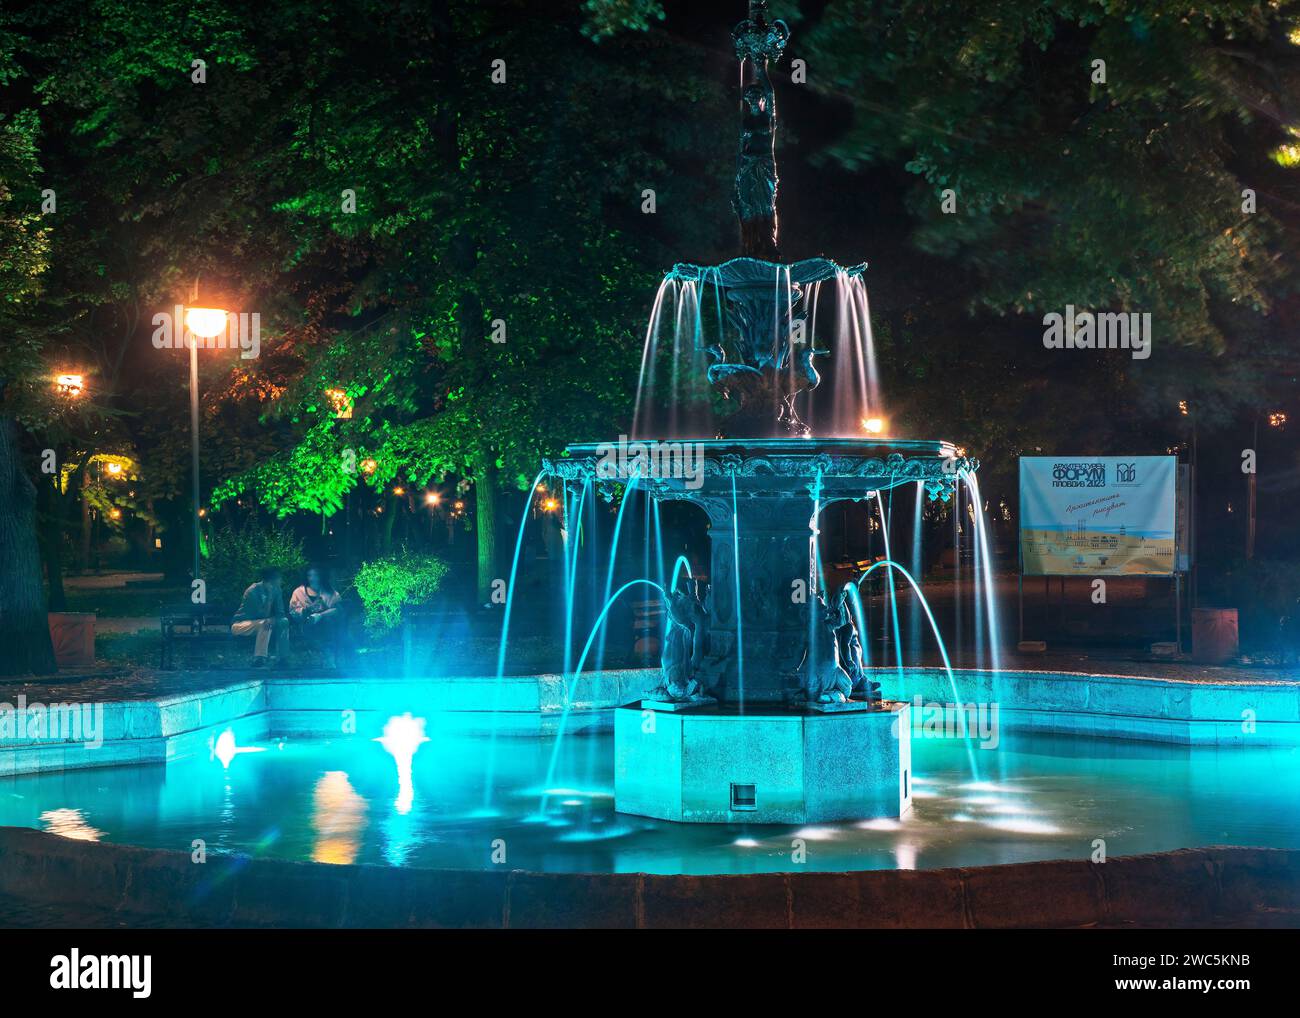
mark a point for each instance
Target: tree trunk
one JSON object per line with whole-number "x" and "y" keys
{"x": 83, "y": 559}
{"x": 24, "y": 624}
{"x": 50, "y": 507}
{"x": 386, "y": 539}
{"x": 485, "y": 505}
{"x": 176, "y": 549}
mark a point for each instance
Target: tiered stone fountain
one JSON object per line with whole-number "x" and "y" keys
{"x": 765, "y": 713}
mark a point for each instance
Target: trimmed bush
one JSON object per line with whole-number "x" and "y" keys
{"x": 390, "y": 584}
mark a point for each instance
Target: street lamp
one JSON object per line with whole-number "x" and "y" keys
{"x": 200, "y": 323}
{"x": 69, "y": 385}
{"x": 341, "y": 402}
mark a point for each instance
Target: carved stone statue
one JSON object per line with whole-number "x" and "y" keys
{"x": 849, "y": 642}
{"x": 822, "y": 678}
{"x": 687, "y": 623}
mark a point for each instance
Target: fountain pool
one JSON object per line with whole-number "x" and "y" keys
{"x": 342, "y": 800}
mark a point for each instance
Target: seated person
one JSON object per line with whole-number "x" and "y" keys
{"x": 319, "y": 607}
{"x": 261, "y": 613}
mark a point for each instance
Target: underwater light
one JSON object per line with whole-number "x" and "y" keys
{"x": 875, "y": 425}
{"x": 816, "y": 833}
{"x": 225, "y": 748}
{"x": 402, "y": 737}
{"x": 990, "y": 786}
{"x": 879, "y": 824}
{"x": 1022, "y": 825}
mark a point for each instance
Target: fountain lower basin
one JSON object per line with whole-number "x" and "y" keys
{"x": 794, "y": 765}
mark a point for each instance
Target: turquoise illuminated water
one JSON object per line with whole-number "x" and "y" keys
{"x": 340, "y": 801}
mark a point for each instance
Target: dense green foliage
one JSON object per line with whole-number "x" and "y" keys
{"x": 391, "y": 584}
{"x": 236, "y": 557}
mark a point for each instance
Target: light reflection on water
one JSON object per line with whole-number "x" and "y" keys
{"x": 341, "y": 801}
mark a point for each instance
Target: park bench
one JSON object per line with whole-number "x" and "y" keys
{"x": 197, "y": 628}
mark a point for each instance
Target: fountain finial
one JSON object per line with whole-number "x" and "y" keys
{"x": 757, "y": 41}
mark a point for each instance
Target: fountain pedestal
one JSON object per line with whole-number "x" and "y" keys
{"x": 781, "y": 766}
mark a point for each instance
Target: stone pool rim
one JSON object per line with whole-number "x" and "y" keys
{"x": 1160, "y": 890}
{"x": 179, "y": 724}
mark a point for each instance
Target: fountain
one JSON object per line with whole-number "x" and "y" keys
{"x": 764, "y": 712}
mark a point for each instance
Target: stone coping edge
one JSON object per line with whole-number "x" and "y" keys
{"x": 1162, "y": 890}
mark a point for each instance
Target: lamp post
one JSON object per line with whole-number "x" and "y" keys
{"x": 200, "y": 323}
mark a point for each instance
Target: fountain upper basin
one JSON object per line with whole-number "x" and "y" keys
{"x": 839, "y": 467}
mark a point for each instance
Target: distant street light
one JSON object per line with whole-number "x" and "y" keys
{"x": 342, "y": 404}
{"x": 205, "y": 322}
{"x": 69, "y": 385}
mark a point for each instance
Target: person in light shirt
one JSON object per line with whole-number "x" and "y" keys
{"x": 318, "y": 606}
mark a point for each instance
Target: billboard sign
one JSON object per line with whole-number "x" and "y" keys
{"x": 1097, "y": 515}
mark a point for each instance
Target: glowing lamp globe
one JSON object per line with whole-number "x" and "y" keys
{"x": 205, "y": 322}
{"x": 70, "y": 385}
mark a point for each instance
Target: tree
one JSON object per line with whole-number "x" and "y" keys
{"x": 23, "y": 400}
{"x": 510, "y": 262}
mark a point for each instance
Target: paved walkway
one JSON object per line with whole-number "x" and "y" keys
{"x": 108, "y": 579}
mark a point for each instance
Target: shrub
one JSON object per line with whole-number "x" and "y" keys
{"x": 388, "y": 585}
{"x": 236, "y": 557}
